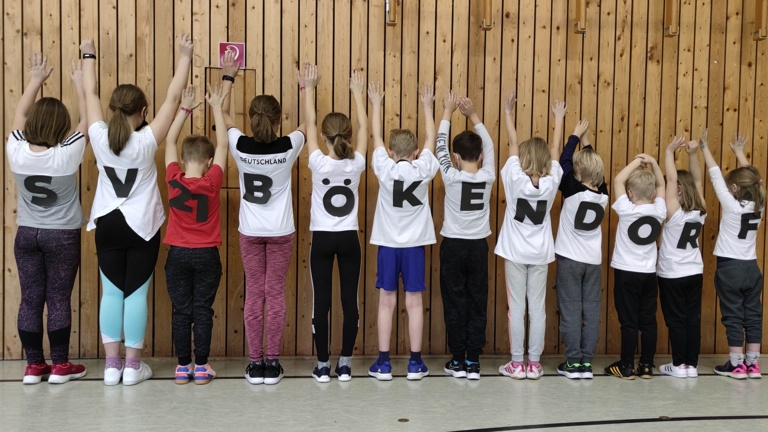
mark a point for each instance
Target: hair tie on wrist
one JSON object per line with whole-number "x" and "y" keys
{"x": 229, "y": 78}
{"x": 301, "y": 88}
{"x": 89, "y": 56}
{"x": 187, "y": 111}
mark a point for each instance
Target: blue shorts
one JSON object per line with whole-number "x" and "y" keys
{"x": 392, "y": 262}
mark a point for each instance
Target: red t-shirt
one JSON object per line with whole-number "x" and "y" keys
{"x": 194, "y": 220}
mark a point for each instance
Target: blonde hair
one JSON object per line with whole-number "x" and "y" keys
{"x": 48, "y": 123}
{"x": 126, "y": 100}
{"x": 197, "y": 148}
{"x": 535, "y": 158}
{"x": 264, "y": 113}
{"x": 402, "y": 142}
{"x": 338, "y": 131}
{"x": 749, "y": 188}
{"x": 642, "y": 183}
{"x": 588, "y": 167}
{"x": 690, "y": 199}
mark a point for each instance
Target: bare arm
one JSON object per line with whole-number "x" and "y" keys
{"x": 427, "y": 102}
{"x": 737, "y": 146}
{"x": 229, "y": 68}
{"x": 620, "y": 181}
{"x": 673, "y": 204}
{"x": 660, "y": 184}
{"x": 709, "y": 160}
{"x": 92, "y": 102}
{"x": 450, "y": 103}
{"x": 511, "y": 131}
{"x": 356, "y": 86}
{"x": 558, "y": 109}
{"x": 692, "y": 148}
{"x": 215, "y": 98}
{"x": 309, "y": 77}
{"x": 165, "y": 115}
{"x": 38, "y": 73}
{"x": 376, "y": 97}
{"x": 171, "y": 141}
{"x": 76, "y": 75}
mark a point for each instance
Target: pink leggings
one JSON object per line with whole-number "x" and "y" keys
{"x": 266, "y": 261}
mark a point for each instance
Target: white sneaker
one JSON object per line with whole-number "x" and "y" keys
{"x": 112, "y": 376}
{"x": 692, "y": 371}
{"x": 133, "y": 376}
{"x": 534, "y": 371}
{"x": 674, "y": 371}
{"x": 513, "y": 371}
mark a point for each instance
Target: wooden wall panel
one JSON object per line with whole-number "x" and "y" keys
{"x": 636, "y": 88}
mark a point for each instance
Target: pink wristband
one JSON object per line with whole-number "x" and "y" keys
{"x": 187, "y": 111}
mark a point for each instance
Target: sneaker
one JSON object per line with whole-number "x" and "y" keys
{"x": 644, "y": 371}
{"x": 322, "y": 375}
{"x": 620, "y": 370}
{"x": 729, "y": 370}
{"x": 473, "y": 370}
{"x": 343, "y": 373}
{"x": 513, "y": 370}
{"x": 568, "y": 370}
{"x": 416, "y": 370}
{"x": 382, "y": 372}
{"x": 35, "y": 373}
{"x": 456, "y": 369}
{"x": 184, "y": 373}
{"x": 254, "y": 373}
{"x": 753, "y": 371}
{"x": 273, "y": 372}
{"x": 534, "y": 371}
{"x": 112, "y": 376}
{"x": 692, "y": 371}
{"x": 674, "y": 371}
{"x": 61, "y": 373}
{"x": 204, "y": 374}
{"x": 133, "y": 376}
{"x": 585, "y": 370}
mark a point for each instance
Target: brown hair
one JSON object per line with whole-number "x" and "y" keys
{"x": 747, "y": 180}
{"x": 690, "y": 199}
{"x": 535, "y": 158}
{"x": 402, "y": 142}
{"x": 338, "y": 130}
{"x": 642, "y": 183}
{"x": 48, "y": 123}
{"x": 588, "y": 167}
{"x": 197, "y": 148}
{"x": 264, "y": 113}
{"x": 126, "y": 100}
{"x": 468, "y": 145}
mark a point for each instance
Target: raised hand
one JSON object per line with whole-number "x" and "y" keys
{"x": 356, "y": 82}
{"x": 646, "y": 159}
{"x": 450, "y": 101}
{"x": 87, "y": 47}
{"x": 676, "y": 143}
{"x": 509, "y": 105}
{"x": 215, "y": 95}
{"x": 38, "y": 67}
{"x": 703, "y": 141}
{"x": 581, "y": 128}
{"x": 375, "y": 93}
{"x": 466, "y": 107}
{"x": 559, "y": 108}
{"x": 427, "y": 95}
{"x": 76, "y": 74}
{"x": 309, "y": 76}
{"x": 188, "y": 96}
{"x": 229, "y": 64}
{"x": 738, "y": 143}
{"x": 691, "y": 147}
{"x": 186, "y": 47}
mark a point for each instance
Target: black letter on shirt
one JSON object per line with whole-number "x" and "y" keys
{"x": 581, "y": 216}
{"x": 257, "y": 183}
{"x": 346, "y": 192}
{"x": 689, "y": 236}
{"x": 122, "y": 189}
{"x": 471, "y": 192}
{"x": 524, "y": 209}
{"x": 399, "y": 195}
{"x": 180, "y": 202}
{"x": 747, "y": 224}
{"x": 31, "y": 184}
{"x": 634, "y": 230}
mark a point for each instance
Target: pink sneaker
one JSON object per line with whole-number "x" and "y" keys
{"x": 36, "y": 373}
{"x": 514, "y": 370}
{"x": 738, "y": 372}
{"x": 753, "y": 371}
{"x": 535, "y": 371}
{"x": 61, "y": 373}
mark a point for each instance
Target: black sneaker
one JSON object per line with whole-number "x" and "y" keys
{"x": 585, "y": 369}
{"x": 273, "y": 372}
{"x": 473, "y": 370}
{"x": 569, "y": 370}
{"x": 620, "y": 370}
{"x": 729, "y": 370}
{"x": 456, "y": 369}
{"x": 343, "y": 373}
{"x": 254, "y": 373}
{"x": 321, "y": 375}
{"x": 644, "y": 371}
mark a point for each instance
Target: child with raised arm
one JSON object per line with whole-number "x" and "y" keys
{"x": 464, "y": 249}
{"x": 193, "y": 267}
{"x": 44, "y": 156}
{"x": 531, "y": 177}
{"x": 579, "y": 253}
{"x": 680, "y": 268}
{"x": 641, "y": 208}
{"x": 402, "y": 227}
{"x": 738, "y": 281}
{"x": 334, "y": 220}
{"x": 127, "y": 210}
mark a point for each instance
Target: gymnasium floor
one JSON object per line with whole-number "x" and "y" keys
{"x": 437, "y": 403}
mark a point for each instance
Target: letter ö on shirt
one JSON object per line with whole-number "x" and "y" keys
{"x": 349, "y": 199}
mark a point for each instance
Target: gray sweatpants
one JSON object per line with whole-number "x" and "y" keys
{"x": 579, "y": 295}
{"x": 739, "y": 284}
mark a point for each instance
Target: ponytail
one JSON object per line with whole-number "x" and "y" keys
{"x": 343, "y": 148}
{"x": 749, "y": 185}
{"x": 126, "y": 100}
{"x": 118, "y": 132}
{"x": 338, "y": 130}
{"x": 264, "y": 113}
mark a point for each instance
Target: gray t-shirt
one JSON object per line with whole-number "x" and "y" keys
{"x": 47, "y": 182}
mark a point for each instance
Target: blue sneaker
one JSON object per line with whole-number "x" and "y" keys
{"x": 382, "y": 372}
{"x": 183, "y": 374}
{"x": 417, "y": 370}
{"x": 204, "y": 374}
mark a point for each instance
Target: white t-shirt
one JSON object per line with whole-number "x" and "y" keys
{"x": 526, "y": 233}
{"x": 737, "y": 234}
{"x": 127, "y": 182}
{"x": 580, "y": 236}
{"x": 266, "y": 204}
{"x": 466, "y": 194}
{"x": 334, "y": 192}
{"x": 679, "y": 254}
{"x": 403, "y": 218}
{"x": 639, "y": 227}
{"x": 47, "y": 182}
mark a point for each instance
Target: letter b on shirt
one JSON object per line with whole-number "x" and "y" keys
{"x": 257, "y": 188}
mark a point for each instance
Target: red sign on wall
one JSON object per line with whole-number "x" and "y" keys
{"x": 237, "y": 47}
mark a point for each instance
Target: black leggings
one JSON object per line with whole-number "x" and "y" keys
{"x": 345, "y": 246}
{"x": 681, "y": 305}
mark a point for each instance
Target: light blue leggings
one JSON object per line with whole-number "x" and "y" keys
{"x": 120, "y": 314}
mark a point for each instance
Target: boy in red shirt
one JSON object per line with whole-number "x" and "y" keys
{"x": 193, "y": 268}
